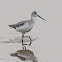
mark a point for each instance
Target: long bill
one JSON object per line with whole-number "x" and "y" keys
{"x": 41, "y": 17}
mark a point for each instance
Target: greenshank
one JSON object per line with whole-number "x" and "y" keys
{"x": 26, "y": 26}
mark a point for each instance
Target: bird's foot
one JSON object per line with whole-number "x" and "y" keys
{"x": 25, "y": 44}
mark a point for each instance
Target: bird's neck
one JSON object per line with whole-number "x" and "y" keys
{"x": 32, "y": 18}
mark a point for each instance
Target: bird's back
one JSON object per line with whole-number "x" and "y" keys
{"x": 17, "y": 24}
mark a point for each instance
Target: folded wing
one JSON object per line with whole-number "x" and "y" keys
{"x": 17, "y": 24}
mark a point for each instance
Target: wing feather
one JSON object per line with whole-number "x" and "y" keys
{"x": 17, "y": 24}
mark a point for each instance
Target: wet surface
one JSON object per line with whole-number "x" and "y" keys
{"x": 16, "y": 40}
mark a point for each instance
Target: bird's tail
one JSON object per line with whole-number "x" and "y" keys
{"x": 12, "y": 26}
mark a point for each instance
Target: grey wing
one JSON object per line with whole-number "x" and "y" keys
{"x": 17, "y": 24}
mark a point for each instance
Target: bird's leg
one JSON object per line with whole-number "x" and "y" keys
{"x": 30, "y": 39}
{"x": 22, "y": 41}
{"x": 24, "y": 48}
{"x": 23, "y": 45}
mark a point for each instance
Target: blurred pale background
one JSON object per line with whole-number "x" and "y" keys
{"x": 49, "y": 45}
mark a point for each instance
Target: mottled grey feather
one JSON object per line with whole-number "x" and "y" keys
{"x": 17, "y": 24}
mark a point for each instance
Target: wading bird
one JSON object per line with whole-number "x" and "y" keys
{"x": 26, "y": 26}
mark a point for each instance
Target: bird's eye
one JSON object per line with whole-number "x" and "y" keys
{"x": 34, "y": 13}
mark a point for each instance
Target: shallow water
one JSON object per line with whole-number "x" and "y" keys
{"x": 48, "y": 48}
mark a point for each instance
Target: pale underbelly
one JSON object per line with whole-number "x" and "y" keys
{"x": 25, "y": 28}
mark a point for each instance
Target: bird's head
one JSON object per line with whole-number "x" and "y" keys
{"x": 35, "y": 14}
